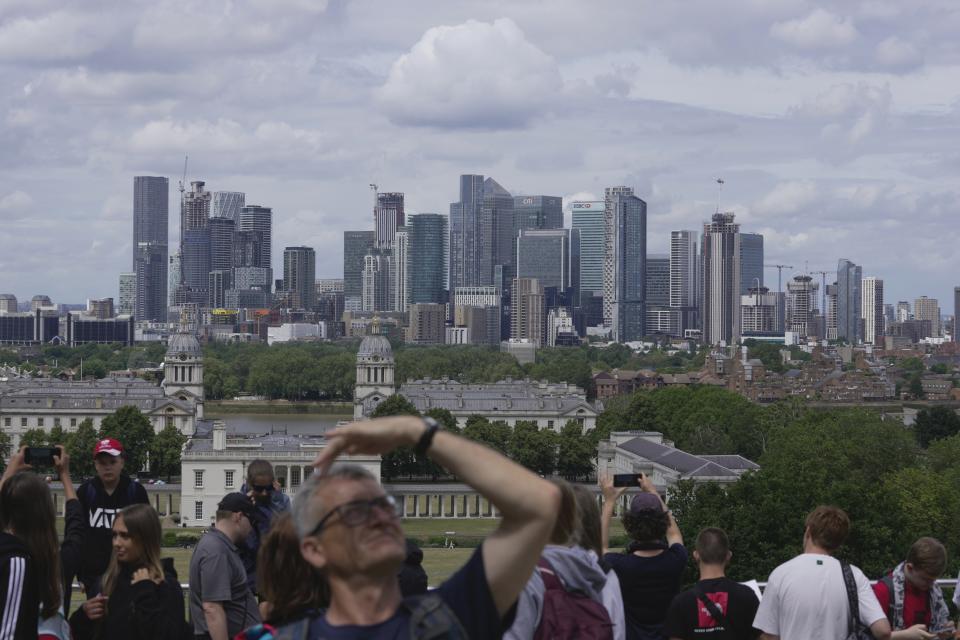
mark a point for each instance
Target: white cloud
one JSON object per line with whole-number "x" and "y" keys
{"x": 60, "y": 35}
{"x": 819, "y": 30}
{"x": 168, "y": 135}
{"x": 16, "y": 202}
{"x": 896, "y": 54}
{"x": 787, "y": 198}
{"x": 472, "y": 75}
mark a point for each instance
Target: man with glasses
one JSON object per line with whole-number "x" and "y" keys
{"x": 350, "y": 530}
{"x": 221, "y": 603}
{"x": 269, "y": 500}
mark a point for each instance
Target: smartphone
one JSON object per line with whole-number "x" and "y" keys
{"x": 40, "y": 456}
{"x": 626, "y": 479}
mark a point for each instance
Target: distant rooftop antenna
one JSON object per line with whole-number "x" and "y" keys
{"x": 719, "y": 190}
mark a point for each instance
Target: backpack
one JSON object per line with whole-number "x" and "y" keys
{"x": 430, "y": 619}
{"x": 570, "y": 615}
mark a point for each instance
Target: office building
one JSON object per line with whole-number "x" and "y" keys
{"x": 903, "y": 311}
{"x": 849, "y": 276}
{"x": 222, "y": 236}
{"x": 388, "y": 216}
{"x": 32, "y": 328}
{"x": 195, "y": 266}
{"x": 194, "y": 208}
{"x": 259, "y": 220}
{"x": 246, "y": 299}
{"x": 428, "y": 254}
{"x": 758, "y": 313}
{"x": 85, "y": 329}
{"x": 8, "y": 303}
{"x": 925, "y": 308}
{"x": 560, "y": 329}
{"x": 464, "y": 233}
{"x": 801, "y": 305}
{"x": 427, "y": 323}
{"x": 100, "y": 308}
{"x": 356, "y": 244}
{"x": 227, "y": 204}
{"x": 546, "y": 256}
{"x": 685, "y": 279}
{"x": 127, "y": 298}
{"x": 299, "y": 276}
{"x": 376, "y": 292}
{"x": 538, "y": 212}
{"x": 627, "y": 260}
{"x": 720, "y": 252}
{"x": 482, "y": 324}
{"x": 218, "y": 283}
{"x": 150, "y": 246}
{"x": 527, "y": 315}
{"x": 400, "y": 270}
{"x": 658, "y": 280}
{"x": 329, "y": 285}
{"x": 872, "y": 307}
{"x": 588, "y": 219}
{"x": 496, "y": 235}
{"x": 751, "y": 262}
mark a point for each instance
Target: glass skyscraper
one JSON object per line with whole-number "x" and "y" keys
{"x": 849, "y": 278}
{"x": 427, "y": 256}
{"x": 627, "y": 260}
{"x": 751, "y": 261}
{"x": 150, "y": 249}
{"x": 356, "y": 244}
{"x": 588, "y": 220}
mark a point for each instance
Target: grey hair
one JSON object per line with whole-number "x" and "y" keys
{"x": 307, "y": 508}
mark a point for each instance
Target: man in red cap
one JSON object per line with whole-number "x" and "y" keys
{"x": 102, "y": 498}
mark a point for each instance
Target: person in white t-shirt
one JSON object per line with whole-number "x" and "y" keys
{"x": 806, "y": 597}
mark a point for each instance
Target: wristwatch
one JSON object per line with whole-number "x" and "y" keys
{"x": 427, "y": 438}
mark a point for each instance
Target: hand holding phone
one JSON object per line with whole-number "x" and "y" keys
{"x": 627, "y": 479}
{"x": 40, "y": 456}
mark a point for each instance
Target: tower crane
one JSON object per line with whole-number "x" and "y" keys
{"x": 823, "y": 291}
{"x": 779, "y": 268}
{"x": 184, "y": 178}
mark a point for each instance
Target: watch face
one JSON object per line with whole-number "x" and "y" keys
{"x": 183, "y": 356}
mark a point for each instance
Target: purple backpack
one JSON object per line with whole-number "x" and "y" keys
{"x": 569, "y": 614}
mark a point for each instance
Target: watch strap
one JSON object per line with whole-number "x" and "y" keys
{"x": 423, "y": 445}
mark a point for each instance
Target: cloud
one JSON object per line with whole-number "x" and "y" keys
{"x": 15, "y": 202}
{"x": 787, "y": 198}
{"x": 56, "y": 36}
{"x": 819, "y": 30}
{"x": 473, "y": 75}
{"x": 897, "y": 55}
{"x": 848, "y": 111}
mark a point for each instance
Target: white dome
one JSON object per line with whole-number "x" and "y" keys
{"x": 375, "y": 346}
{"x": 184, "y": 343}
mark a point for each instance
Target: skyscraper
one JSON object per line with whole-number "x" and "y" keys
{"x": 127, "y": 300}
{"x": 956, "y": 314}
{"x": 588, "y": 219}
{"x": 751, "y": 261}
{"x": 721, "y": 280}
{"x": 464, "y": 233}
{"x": 527, "y": 315}
{"x": 299, "y": 276}
{"x": 684, "y": 278}
{"x": 925, "y": 308}
{"x": 150, "y": 251}
{"x": 259, "y": 220}
{"x": 376, "y": 294}
{"x": 497, "y": 238}
{"x": 227, "y": 204}
{"x": 400, "y": 272}
{"x": 801, "y": 303}
{"x": 831, "y": 311}
{"x": 627, "y": 259}
{"x": 428, "y": 249}
{"x": 194, "y": 245}
{"x": 609, "y": 279}
{"x": 849, "y": 276}
{"x": 537, "y": 212}
{"x": 658, "y": 280}
{"x": 545, "y": 256}
{"x": 388, "y": 216}
{"x": 872, "y": 306}
{"x": 356, "y": 244}
{"x": 174, "y": 277}
{"x": 222, "y": 234}
{"x": 903, "y": 310}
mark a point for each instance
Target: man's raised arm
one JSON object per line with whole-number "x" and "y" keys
{"x": 528, "y": 504}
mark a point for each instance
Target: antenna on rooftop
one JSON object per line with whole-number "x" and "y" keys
{"x": 719, "y": 190}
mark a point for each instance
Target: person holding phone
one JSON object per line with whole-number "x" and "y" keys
{"x": 910, "y": 597}
{"x": 649, "y": 570}
{"x": 270, "y": 501}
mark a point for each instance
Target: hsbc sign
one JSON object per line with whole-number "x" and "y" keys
{"x": 586, "y": 205}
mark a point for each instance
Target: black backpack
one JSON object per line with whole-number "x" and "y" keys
{"x": 430, "y": 619}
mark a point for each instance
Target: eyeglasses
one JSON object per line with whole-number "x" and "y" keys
{"x": 355, "y": 513}
{"x": 262, "y": 488}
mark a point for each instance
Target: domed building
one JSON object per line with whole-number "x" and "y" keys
{"x": 375, "y": 375}
{"x": 183, "y": 370}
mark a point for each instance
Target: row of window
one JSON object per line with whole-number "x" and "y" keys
{"x": 297, "y": 474}
{"x": 41, "y": 422}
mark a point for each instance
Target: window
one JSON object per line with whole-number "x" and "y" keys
{"x": 6, "y": 422}
{"x": 56, "y": 422}
{"x": 23, "y": 422}
{"x": 228, "y": 479}
{"x": 170, "y": 421}
{"x": 294, "y": 477}
{"x": 198, "y": 479}
{"x": 198, "y": 510}
{"x": 550, "y": 424}
{"x": 73, "y": 422}
{"x": 39, "y": 422}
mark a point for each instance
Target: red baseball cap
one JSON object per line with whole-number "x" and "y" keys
{"x": 109, "y": 446}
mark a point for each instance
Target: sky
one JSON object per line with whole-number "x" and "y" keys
{"x": 833, "y": 125}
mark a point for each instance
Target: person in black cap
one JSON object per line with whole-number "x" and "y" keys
{"x": 650, "y": 569}
{"x": 221, "y": 603}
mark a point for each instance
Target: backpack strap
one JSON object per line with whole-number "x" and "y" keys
{"x": 887, "y": 581}
{"x": 431, "y": 619}
{"x": 297, "y": 630}
{"x": 712, "y": 607}
{"x": 853, "y": 615}
{"x": 549, "y": 576}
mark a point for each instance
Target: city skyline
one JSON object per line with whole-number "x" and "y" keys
{"x": 831, "y": 130}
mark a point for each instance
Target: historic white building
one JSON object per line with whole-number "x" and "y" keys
{"x": 45, "y": 403}
{"x": 375, "y": 371}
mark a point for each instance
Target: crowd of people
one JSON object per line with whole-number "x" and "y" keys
{"x": 335, "y": 564}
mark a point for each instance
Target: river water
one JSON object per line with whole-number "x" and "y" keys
{"x": 292, "y": 424}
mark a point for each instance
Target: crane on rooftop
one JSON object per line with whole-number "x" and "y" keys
{"x": 779, "y": 268}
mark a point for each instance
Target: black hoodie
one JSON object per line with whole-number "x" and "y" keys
{"x": 145, "y": 611}
{"x": 19, "y": 591}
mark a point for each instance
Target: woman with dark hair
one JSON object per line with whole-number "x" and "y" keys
{"x": 649, "y": 571}
{"x": 291, "y": 589}
{"x": 141, "y": 595}
{"x": 30, "y": 584}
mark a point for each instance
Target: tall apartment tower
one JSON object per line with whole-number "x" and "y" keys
{"x": 259, "y": 220}
{"x": 527, "y": 315}
{"x": 428, "y": 256}
{"x": 872, "y": 306}
{"x": 427, "y": 323}
{"x": 903, "y": 311}
{"x": 150, "y": 249}
{"x": 356, "y": 245}
{"x": 400, "y": 272}
{"x": 831, "y": 312}
{"x": 388, "y": 216}
{"x": 227, "y": 204}
{"x": 626, "y": 225}
{"x": 464, "y": 233}
{"x": 721, "y": 280}
{"x": 801, "y": 306}
{"x": 127, "y": 300}
{"x": 588, "y": 219}
{"x": 925, "y": 308}
{"x": 194, "y": 244}
{"x": 751, "y": 261}
{"x": 608, "y": 249}
{"x": 300, "y": 276}
{"x": 849, "y": 301}
{"x": 376, "y": 293}
{"x": 685, "y": 278}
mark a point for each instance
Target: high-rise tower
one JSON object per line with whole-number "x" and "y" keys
{"x": 849, "y": 277}
{"x": 626, "y": 219}
{"x": 428, "y": 249}
{"x": 299, "y": 276}
{"x": 388, "y": 216}
{"x": 465, "y": 234}
{"x": 150, "y": 251}
{"x": 721, "y": 280}
{"x": 872, "y": 306}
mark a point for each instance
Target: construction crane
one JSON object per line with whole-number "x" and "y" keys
{"x": 184, "y": 179}
{"x": 779, "y": 268}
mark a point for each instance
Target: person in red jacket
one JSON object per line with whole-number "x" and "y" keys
{"x": 910, "y": 596}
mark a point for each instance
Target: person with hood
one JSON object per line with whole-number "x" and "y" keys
{"x": 30, "y": 573}
{"x": 270, "y": 501}
{"x": 578, "y": 572}
{"x": 590, "y": 537}
{"x": 141, "y": 597}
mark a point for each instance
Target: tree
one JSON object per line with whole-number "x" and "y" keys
{"x": 935, "y": 423}
{"x": 445, "y": 418}
{"x": 57, "y": 436}
{"x": 165, "y": 452}
{"x": 34, "y": 438}
{"x": 4, "y": 450}
{"x": 128, "y": 425}
{"x": 80, "y": 446}
{"x": 402, "y": 461}
{"x": 495, "y": 435}
{"x": 576, "y": 452}
{"x": 534, "y": 448}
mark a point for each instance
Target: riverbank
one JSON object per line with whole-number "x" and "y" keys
{"x": 215, "y": 408}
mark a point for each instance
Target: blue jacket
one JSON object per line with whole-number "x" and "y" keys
{"x": 279, "y": 502}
